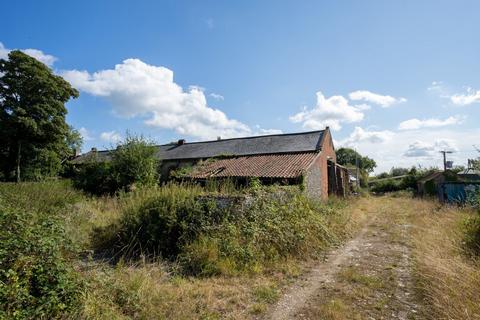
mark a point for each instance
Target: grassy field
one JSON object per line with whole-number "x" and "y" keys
{"x": 252, "y": 257}
{"x": 71, "y": 247}
{"x": 448, "y": 275}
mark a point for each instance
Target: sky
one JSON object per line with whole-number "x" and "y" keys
{"x": 396, "y": 80}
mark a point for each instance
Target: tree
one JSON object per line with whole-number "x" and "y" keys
{"x": 33, "y": 129}
{"x": 134, "y": 162}
{"x": 347, "y": 156}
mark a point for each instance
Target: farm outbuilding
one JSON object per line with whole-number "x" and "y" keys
{"x": 306, "y": 158}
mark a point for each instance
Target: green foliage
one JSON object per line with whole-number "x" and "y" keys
{"x": 386, "y": 186}
{"x": 96, "y": 178}
{"x": 472, "y": 226}
{"x": 214, "y": 234}
{"x": 181, "y": 173}
{"x": 347, "y": 156}
{"x": 161, "y": 223}
{"x": 408, "y": 182}
{"x": 33, "y": 131}
{"x": 132, "y": 163}
{"x": 37, "y": 280}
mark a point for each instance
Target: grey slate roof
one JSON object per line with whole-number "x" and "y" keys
{"x": 269, "y": 144}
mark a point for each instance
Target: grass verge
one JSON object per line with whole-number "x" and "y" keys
{"x": 448, "y": 278}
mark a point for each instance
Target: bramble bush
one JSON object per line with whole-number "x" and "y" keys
{"x": 37, "y": 280}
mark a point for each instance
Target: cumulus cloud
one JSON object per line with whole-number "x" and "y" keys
{"x": 383, "y": 101}
{"x": 360, "y": 135}
{"x": 464, "y": 99}
{"x": 414, "y": 124}
{"x": 330, "y": 112}
{"x": 137, "y": 89}
{"x": 47, "y": 59}
{"x": 86, "y": 135}
{"x": 421, "y": 149}
{"x": 111, "y": 136}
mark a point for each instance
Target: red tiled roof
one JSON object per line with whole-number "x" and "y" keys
{"x": 289, "y": 165}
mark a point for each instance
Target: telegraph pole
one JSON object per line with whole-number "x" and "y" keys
{"x": 444, "y": 152}
{"x": 356, "y": 168}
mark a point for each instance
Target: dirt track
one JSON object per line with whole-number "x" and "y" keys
{"x": 367, "y": 278}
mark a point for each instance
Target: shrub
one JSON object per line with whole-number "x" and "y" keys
{"x": 36, "y": 280}
{"x": 132, "y": 163}
{"x": 386, "y": 186}
{"x": 158, "y": 223}
{"x": 208, "y": 236}
{"x": 96, "y": 178}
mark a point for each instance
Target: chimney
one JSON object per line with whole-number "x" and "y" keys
{"x": 94, "y": 149}
{"x": 219, "y": 138}
{"x": 181, "y": 142}
{"x": 76, "y": 152}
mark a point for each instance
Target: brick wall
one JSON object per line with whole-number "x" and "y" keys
{"x": 316, "y": 181}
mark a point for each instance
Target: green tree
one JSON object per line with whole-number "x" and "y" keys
{"x": 348, "y": 156}
{"x": 33, "y": 129}
{"x": 134, "y": 161}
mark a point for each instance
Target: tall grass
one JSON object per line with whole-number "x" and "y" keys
{"x": 169, "y": 234}
{"x": 449, "y": 279}
{"x": 207, "y": 235}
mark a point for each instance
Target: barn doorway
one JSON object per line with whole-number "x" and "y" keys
{"x": 331, "y": 176}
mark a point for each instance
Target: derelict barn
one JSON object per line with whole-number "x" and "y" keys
{"x": 306, "y": 158}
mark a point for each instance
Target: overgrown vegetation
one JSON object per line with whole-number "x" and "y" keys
{"x": 133, "y": 163}
{"x": 37, "y": 279}
{"x": 162, "y": 236}
{"x": 447, "y": 274}
{"x": 209, "y": 234}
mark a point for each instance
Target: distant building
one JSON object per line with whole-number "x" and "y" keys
{"x": 306, "y": 158}
{"x": 449, "y": 186}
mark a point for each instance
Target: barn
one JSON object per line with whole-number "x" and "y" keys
{"x": 306, "y": 158}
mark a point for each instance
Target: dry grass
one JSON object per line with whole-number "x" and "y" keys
{"x": 448, "y": 280}
{"x": 148, "y": 291}
{"x": 154, "y": 291}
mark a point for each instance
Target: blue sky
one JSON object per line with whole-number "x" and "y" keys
{"x": 398, "y": 80}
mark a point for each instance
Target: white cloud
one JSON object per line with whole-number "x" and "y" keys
{"x": 47, "y": 59}
{"x": 384, "y": 101}
{"x": 260, "y": 131}
{"x": 421, "y": 149}
{"x": 111, "y": 136}
{"x": 360, "y": 135}
{"x": 86, "y": 135}
{"x": 330, "y": 112}
{"x": 464, "y": 99}
{"x": 216, "y": 96}
{"x": 414, "y": 124}
{"x": 393, "y": 152}
{"x": 3, "y": 51}
{"x": 137, "y": 89}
